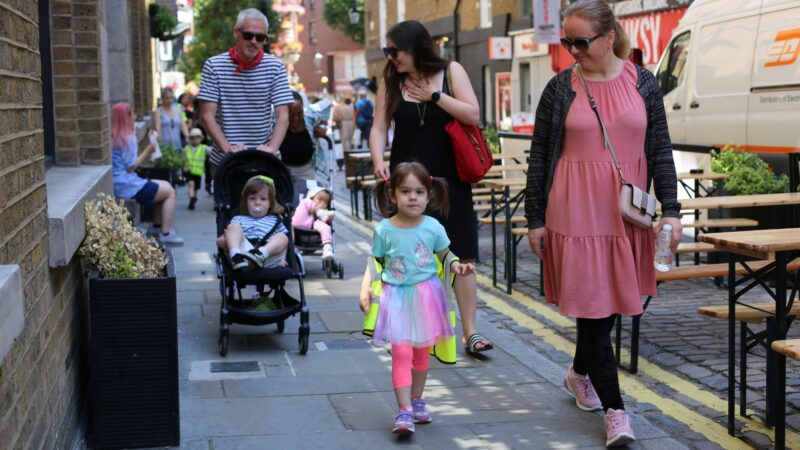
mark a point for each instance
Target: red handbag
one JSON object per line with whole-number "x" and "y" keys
{"x": 473, "y": 157}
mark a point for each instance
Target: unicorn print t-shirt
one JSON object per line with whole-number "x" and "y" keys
{"x": 408, "y": 253}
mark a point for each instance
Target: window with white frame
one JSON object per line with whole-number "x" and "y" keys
{"x": 486, "y": 13}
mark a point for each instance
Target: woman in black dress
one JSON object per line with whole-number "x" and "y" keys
{"x": 416, "y": 95}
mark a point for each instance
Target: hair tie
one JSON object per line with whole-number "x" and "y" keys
{"x": 266, "y": 179}
{"x": 386, "y": 179}
{"x": 430, "y": 177}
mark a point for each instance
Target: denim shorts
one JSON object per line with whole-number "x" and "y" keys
{"x": 147, "y": 193}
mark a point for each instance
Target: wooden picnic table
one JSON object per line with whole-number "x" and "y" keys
{"x": 739, "y": 201}
{"x": 778, "y": 245}
{"x": 362, "y": 171}
{"x": 705, "y": 176}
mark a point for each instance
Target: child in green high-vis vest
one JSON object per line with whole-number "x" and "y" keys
{"x": 195, "y": 153}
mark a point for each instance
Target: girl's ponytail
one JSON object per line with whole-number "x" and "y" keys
{"x": 383, "y": 202}
{"x": 439, "y": 201}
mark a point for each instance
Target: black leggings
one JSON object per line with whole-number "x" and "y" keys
{"x": 595, "y": 356}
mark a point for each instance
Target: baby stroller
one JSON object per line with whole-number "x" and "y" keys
{"x": 275, "y": 305}
{"x": 308, "y": 242}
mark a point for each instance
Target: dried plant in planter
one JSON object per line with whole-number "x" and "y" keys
{"x": 115, "y": 247}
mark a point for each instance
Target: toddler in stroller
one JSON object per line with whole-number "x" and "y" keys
{"x": 312, "y": 222}
{"x": 256, "y": 237}
{"x": 253, "y": 199}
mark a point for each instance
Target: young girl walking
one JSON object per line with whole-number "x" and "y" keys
{"x": 414, "y": 307}
{"x": 256, "y": 237}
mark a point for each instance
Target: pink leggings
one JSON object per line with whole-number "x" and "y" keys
{"x": 323, "y": 229}
{"x": 404, "y": 358}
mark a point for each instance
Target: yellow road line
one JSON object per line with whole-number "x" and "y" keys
{"x": 632, "y": 386}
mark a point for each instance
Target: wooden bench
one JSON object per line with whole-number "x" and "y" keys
{"x": 682, "y": 273}
{"x": 789, "y": 347}
{"x": 751, "y": 314}
{"x": 502, "y": 220}
{"x": 696, "y": 247}
{"x": 721, "y": 223}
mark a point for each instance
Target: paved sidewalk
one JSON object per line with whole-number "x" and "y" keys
{"x": 339, "y": 395}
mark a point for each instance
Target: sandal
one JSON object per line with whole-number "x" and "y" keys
{"x": 473, "y": 341}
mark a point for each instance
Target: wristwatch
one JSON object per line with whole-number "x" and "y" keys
{"x": 436, "y": 96}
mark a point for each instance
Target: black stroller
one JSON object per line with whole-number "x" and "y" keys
{"x": 309, "y": 242}
{"x": 232, "y": 175}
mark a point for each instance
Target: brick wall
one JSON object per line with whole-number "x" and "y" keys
{"x": 81, "y": 112}
{"x": 43, "y": 378}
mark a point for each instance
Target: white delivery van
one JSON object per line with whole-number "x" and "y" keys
{"x": 731, "y": 75}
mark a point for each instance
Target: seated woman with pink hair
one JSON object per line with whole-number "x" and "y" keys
{"x": 128, "y": 185}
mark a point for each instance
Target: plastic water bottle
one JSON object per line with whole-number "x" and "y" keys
{"x": 663, "y": 261}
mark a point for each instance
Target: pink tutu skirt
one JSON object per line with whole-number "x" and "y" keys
{"x": 414, "y": 314}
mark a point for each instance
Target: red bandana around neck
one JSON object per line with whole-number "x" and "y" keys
{"x": 233, "y": 53}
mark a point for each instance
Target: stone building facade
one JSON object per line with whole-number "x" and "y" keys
{"x": 54, "y": 155}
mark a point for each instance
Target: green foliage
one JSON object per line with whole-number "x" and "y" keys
{"x": 492, "y": 139}
{"x": 124, "y": 266}
{"x": 337, "y": 17}
{"x": 213, "y": 31}
{"x": 164, "y": 18}
{"x": 748, "y": 174}
{"x": 170, "y": 158}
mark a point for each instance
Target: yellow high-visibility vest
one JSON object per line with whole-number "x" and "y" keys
{"x": 446, "y": 351}
{"x": 196, "y": 159}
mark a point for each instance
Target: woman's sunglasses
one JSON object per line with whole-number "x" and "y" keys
{"x": 248, "y": 36}
{"x": 580, "y": 44}
{"x": 390, "y": 51}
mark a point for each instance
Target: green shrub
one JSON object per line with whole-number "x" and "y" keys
{"x": 492, "y": 139}
{"x": 748, "y": 174}
{"x": 170, "y": 158}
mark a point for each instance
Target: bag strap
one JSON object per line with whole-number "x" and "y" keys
{"x": 263, "y": 240}
{"x": 606, "y": 139}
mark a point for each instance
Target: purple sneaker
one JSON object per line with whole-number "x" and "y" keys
{"x": 580, "y": 387}
{"x": 404, "y": 423}
{"x": 421, "y": 414}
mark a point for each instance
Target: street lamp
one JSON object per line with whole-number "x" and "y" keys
{"x": 354, "y": 13}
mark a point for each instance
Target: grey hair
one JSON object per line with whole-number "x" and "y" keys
{"x": 252, "y": 14}
{"x": 602, "y": 16}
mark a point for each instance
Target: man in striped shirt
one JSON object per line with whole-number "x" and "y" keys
{"x": 240, "y": 89}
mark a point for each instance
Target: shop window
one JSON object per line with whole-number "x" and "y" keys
{"x": 445, "y": 46}
{"x": 670, "y": 72}
{"x": 312, "y": 33}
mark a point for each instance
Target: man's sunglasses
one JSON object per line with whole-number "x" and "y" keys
{"x": 580, "y": 44}
{"x": 390, "y": 51}
{"x": 248, "y": 36}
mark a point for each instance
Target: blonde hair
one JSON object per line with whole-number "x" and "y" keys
{"x": 602, "y": 16}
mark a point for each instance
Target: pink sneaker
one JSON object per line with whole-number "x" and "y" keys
{"x": 580, "y": 387}
{"x": 618, "y": 428}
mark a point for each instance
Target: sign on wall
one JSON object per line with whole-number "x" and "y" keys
{"x": 651, "y": 32}
{"x": 525, "y": 47}
{"x": 546, "y": 21}
{"x": 503, "y": 101}
{"x": 499, "y": 47}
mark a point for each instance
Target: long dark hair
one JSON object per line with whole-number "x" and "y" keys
{"x": 410, "y": 36}
{"x": 436, "y": 187}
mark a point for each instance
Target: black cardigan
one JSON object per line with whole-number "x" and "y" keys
{"x": 546, "y": 145}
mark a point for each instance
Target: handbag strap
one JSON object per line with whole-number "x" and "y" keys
{"x": 606, "y": 139}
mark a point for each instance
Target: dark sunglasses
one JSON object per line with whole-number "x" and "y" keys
{"x": 580, "y": 44}
{"x": 390, "y": 51}
{"x": 248, "y": 36}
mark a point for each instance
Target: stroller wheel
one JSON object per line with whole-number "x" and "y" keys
{"x": 281, "y": 326}
{"x": 328, "y": 270}
{"x": 341, "y": 271}
{"x": 303, "y": 338}
{"x": 223, "y": 343}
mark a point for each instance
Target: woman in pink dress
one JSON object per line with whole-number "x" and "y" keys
{"x": 596, "y": 266}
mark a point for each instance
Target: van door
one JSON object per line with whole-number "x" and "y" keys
{"x": 670, "y": 75}
{"x": 719, "y": 91}
{"x": 774, "y": 104}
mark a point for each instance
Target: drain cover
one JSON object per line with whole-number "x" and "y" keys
{"x": 237, "y": 366}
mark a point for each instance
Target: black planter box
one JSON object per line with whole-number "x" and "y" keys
{"x": 134, "y": 362}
